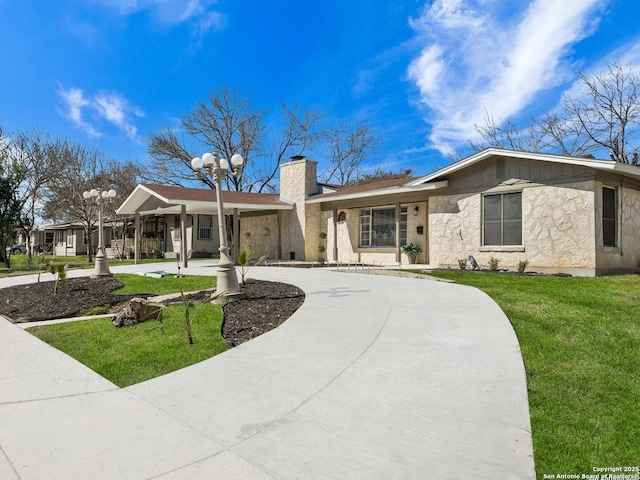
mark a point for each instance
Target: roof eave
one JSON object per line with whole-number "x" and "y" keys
{"x": 543, "y": 157}
{"x": 377, "y": 193}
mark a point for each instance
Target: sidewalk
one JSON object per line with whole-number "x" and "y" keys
{"x": 374, "y": 377}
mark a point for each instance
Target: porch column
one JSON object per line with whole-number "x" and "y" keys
{"x": 398, "y": 246}
{"x": 335, "y": 234}
{"x": 279, "y": 223}
{"x": 236, "y": 232}
{"x": 184, "y": 252}
{"x": 136, "y": 239}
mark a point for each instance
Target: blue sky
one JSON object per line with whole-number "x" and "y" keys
{"x": 105, "y": 73}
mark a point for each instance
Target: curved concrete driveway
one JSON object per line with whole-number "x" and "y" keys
{"x": 374, "y": 377}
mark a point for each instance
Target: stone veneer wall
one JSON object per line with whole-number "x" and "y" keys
{"x": 300, "y": 228}
{"x": 260, "y": 233}
{"x": 558, "y": 230}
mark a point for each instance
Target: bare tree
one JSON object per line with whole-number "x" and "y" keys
{"x": 609, "y": 111}
{"x": 603, "y": 115}
{"x": 349, "y": 147}
{"x": 300, "y": 132}
{"x": 172, "y": 159}
{"x": 83, "y": 170}
{"x": 11, "y": 175}
{"x": 509, "y": 136}
{"x": 30, "y": 150}
{"x": 229, "y": 124}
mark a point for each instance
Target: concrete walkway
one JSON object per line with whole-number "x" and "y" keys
{"x": 374, "y": 377}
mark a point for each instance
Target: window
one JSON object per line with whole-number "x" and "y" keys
{"x": 378, "y": 227}
{"x": 502, "y": 219}
{"x": 69, "y": 238}
{"x": 205, "y": 230}
{"x": 60, "y": 234}
{"x": 609, "y": 214}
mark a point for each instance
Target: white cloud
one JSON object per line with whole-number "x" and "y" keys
{"x": 477, "y": 58}
{"x": 172, "y": 12}
{"x": 103, "y": 106}
{"x": 74, "y": 101}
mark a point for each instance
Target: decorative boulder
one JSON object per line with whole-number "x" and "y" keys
{"x": 137, "y": 310}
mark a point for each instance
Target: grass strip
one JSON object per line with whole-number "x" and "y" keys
{"x": 126, "y": 356}
{"x": 138, "y": 285}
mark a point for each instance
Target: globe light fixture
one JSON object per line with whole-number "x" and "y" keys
{"x": 101, "y": 268}
{"x": 218, "y": 168}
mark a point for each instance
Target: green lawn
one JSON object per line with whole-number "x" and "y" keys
{"x": 137, "y": 284}
{"x": 134, "y": 354}
{"x": 580, "y": 340}
{"x": 20, "y": 266}
{"x": 131, "y": 355}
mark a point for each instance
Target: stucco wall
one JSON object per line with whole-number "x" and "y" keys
{"x": 626, "y": 255}
{"x": 198, "y": 245}
{"x": 348, "y": 237}
{"x": 558, "y": 224}
{"x": 193, "y": 245}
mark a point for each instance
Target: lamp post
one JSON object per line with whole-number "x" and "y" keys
{"x": 98, "y": 198}
{"x": 218, "y": 168}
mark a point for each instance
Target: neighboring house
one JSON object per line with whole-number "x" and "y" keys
{"x": 66, "y": 239}
{"x": 561, "y": 214}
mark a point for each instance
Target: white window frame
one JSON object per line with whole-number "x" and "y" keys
{"x": 205, "y": 232}
{"x": 366, "y": 226}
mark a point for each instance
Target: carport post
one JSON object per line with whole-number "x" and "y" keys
{"x": 183, "y": 236}
{"x": 136, "y": 239}
{"x": 236, "y": 232}
{"x": 335, "y": 234}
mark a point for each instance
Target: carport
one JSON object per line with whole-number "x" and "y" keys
{"x": 152, "y": 199}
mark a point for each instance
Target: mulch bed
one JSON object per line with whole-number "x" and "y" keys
{"x": 264, "y": 306}
{"x": 35, "y": 301}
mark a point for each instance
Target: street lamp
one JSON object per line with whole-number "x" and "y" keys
{"x": 99, "y": 198}
{"x": 218, "y": 168}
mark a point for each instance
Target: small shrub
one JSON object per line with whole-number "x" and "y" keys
{"x": 244, "y": 259}
{"x": 412, "y": 249}
{"x": 522, "y": 265}
{"x": 462, "y": 263}
{"x": 59, "y": 272}
{"x": 493, "y": 264}
{"x": 41, "y": 264}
